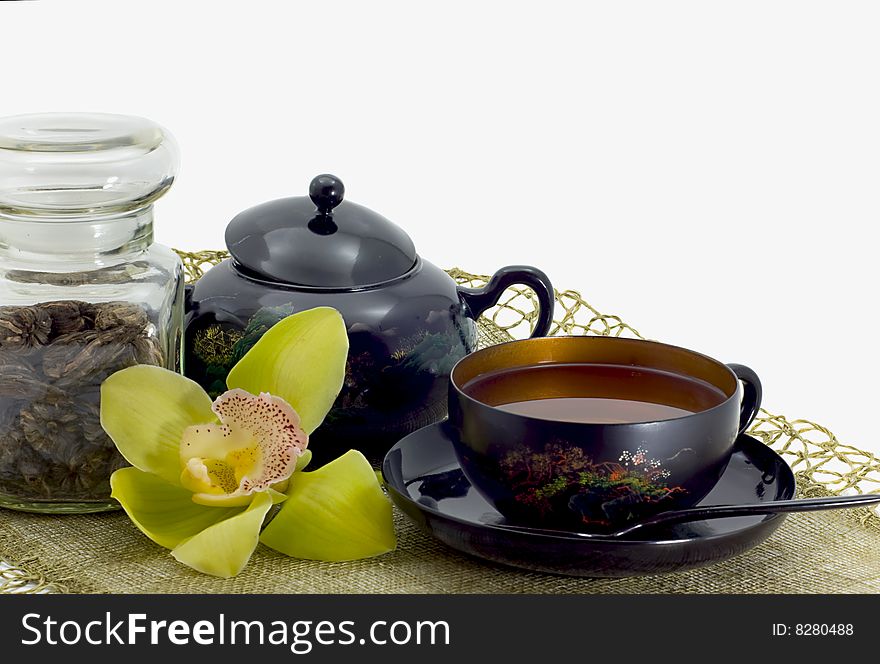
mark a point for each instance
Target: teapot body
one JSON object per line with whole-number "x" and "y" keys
{"x": 405, "y": 336}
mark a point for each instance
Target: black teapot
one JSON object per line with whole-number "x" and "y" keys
{"x": 408, "y": 322}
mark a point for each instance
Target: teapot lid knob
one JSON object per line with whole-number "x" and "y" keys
{"x": 326, "y": 192}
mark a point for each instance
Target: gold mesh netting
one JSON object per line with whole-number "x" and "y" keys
{"x": 822, "y": 464}
{"x": 20, "y": 580}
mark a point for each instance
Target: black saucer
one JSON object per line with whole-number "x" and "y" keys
{"x": 426, "y": 482}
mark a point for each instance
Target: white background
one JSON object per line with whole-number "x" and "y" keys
{"x": 707, "y": 170}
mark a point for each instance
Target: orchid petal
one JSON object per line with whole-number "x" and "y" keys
{"x": 234, "y": 500}
{"x": 300, "y": 359}
{"x": 224, "y": 548}
{"x": 145, "y": 410}
{"x": 163, "y": 512}
{"x": 277, "y": 496}
{"x": 222, "y": 499}
{"x": 338, "y": 512}
{"x": 303, "y": 461}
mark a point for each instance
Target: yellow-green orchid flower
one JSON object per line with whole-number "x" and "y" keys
{"x": 205, "y": 475}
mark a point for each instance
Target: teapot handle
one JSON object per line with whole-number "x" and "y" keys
{"x": 480, "y": 299}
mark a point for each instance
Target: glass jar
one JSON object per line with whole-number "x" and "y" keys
{"x": 84, "y": 292}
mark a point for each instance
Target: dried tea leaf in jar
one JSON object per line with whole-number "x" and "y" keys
{"x": 117, "y": 317}
{"x": 70, "y": 316}
{"x": 89, "y": 357}
{"x": 19, "y": 379}
{"x": 147, "y": 351}
{"x": 24, "y": 328}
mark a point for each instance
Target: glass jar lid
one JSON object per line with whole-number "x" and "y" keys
{"x": 82, "y": 164}
{"x": 319, "y": 241}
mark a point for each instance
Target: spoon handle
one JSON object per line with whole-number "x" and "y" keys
{"x": 717, "y": 512}
{"x": 770, "y": 507}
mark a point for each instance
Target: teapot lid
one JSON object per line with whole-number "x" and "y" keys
{"x": 319, "y": 241}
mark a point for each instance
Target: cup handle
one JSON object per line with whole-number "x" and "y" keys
{"x": 480, "y": 299}
{"x": 751, "y": 402}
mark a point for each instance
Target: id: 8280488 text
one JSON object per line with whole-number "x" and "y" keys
{"x": 813, "y": 629}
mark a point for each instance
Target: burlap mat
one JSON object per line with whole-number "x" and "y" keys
{"x": 811, "y": 553}
{"x": 824, "y": 552}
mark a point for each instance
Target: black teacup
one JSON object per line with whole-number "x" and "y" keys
{"x": 590, "y": 433}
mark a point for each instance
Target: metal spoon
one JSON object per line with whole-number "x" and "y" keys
{"x": 717, "y": 512}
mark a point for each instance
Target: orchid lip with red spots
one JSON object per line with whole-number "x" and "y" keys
{"x": 254, "y": 448}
